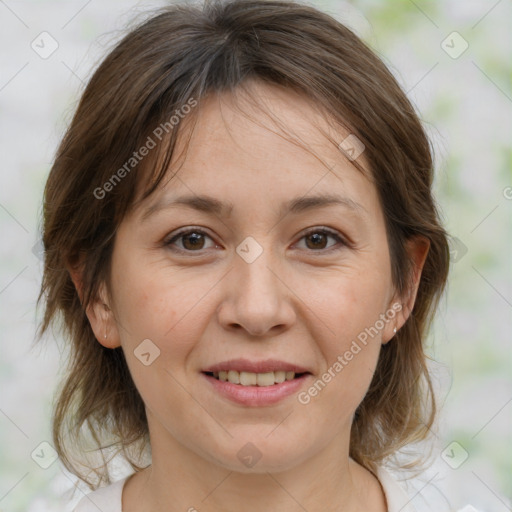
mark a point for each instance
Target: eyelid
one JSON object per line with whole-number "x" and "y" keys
{"x": 168, "y": 241}
{"x": 327, "y": 231}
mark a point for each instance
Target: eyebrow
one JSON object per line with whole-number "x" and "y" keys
{"x": 207, "y": 204}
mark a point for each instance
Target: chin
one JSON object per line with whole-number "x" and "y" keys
{"x": 260, "y": 455}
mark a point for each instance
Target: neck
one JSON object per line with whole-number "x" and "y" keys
{"x": 181, "y": 480}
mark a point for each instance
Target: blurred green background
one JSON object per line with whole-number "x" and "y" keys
{"x": 454, "y": 60}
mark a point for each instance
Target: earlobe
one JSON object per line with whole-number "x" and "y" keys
{"x": 417, "y": 250}
{"x": 102, "y": 321}
{"x": 99, "y": 313}
{"x": 395, "y": 315}
{"x": 109, "y": 338}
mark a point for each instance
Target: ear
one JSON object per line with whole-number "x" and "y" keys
{"x": 417, "y": 249}
{"x": 99, "y": 313}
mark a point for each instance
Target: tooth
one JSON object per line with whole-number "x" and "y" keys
{"x": 233, "y": 377}
{"x": 248, "y": 379}
{"x": 279, "y": 377}
{"x": 254, "y": 379}
{"x": 265, "y": 379}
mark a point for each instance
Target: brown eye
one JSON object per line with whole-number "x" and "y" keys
{"x": 317, "y": 239}
{"x": 192, "y": 240}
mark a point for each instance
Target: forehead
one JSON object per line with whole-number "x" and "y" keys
{"x": 266, "y": 124}
{"x": 270, "y": 144}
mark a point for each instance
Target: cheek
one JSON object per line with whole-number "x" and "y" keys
{"x": 149, "y": 301}
{"x": 346, "y": 302}
{"x": 166, "y": 307}
{"x": 159, "y": 327}
{"x": 345, "y": 311}
{"x": 348, "y": 364}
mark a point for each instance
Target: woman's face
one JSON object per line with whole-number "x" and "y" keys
{"x": 241, "y": 256}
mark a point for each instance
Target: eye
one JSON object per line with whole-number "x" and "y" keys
{"x": 316, "y": 238}
{"x": 191, "y": 240}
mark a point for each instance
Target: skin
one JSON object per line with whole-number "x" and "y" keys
{"x": 302, "y": 300}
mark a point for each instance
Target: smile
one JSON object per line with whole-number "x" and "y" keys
{"x": 255, "y": 389}
{"x": 254, "y": 379}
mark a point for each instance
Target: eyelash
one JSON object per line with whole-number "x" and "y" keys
{"x": 324, "y": 231}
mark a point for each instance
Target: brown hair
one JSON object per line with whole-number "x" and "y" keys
{"x": 184, "y": 52}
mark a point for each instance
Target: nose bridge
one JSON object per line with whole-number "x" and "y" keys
{"x": 256, "y": 280}
{"x": 257, "y": 299}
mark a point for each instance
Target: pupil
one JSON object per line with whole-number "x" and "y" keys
{"x": 317, "y": 237}
{"x": 195, "y": 237}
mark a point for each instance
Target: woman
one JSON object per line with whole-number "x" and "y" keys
{"x": 241, "y": 237}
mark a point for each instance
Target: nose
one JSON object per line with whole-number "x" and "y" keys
{"x": 257, "y": 298}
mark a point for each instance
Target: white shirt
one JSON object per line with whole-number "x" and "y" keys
{"x": 108, "y": 499}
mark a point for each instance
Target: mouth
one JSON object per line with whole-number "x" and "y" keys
{"x": 253, "y": 383}
{"x": 255, "y": 379}
{"x": 256, "y": 389}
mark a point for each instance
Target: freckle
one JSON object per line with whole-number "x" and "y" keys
{"x": 143, "y": 299}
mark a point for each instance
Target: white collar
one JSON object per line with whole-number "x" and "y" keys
{"x": 396, "y": 498}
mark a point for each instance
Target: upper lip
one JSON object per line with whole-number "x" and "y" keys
{"x": 266, "y": 366}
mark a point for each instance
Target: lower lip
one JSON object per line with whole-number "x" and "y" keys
{"x": 257, "y": 395}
